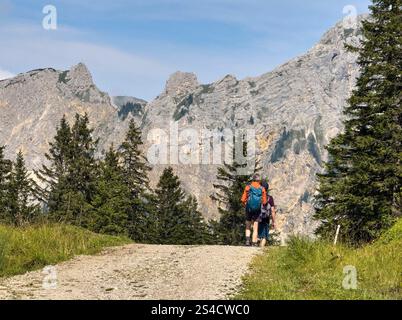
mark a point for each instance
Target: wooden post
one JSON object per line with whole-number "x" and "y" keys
{"x": 337, "y": 234}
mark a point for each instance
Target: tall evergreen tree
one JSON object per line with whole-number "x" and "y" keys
{"x": 179, "y": 221}
{"x": 361, "y": 188}
{"x": 197, "y": 230}
{"x": 231, "y": 226}
{"x": 21, "y": 208}
{"x": 53, "y": 177}
{"x": 136, "y": 169}
{"x": 70, "y": 178}
{"x": 111, "y": 203}
{"x": 230, "y": 230}
{"x": 169, "y": 200}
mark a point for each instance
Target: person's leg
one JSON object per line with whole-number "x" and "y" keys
{"x": 260, "y": 237}
{"x": 255, "y": 232}
{"x": 264, "y": 233}
{"x": 248, "y": 232}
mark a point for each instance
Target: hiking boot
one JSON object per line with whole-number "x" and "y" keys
{"x": 248, "y": 242}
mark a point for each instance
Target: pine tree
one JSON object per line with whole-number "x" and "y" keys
{"x": 230, "y": 230}
{"x": 231, "y": 226}
{"x": 179, "y": 221}
{"x": 169, "y": 200}
{"x": 361, "y": 187}
{"x": 21, "y": 208}
{"x": 53, "y": 177}
{"x": 195, "y": 228}
{"x": 111, "y": 203}
{"x": 5, "y": 171}
{"x": 136, "y": 169}
{"x": 70, "y": 178}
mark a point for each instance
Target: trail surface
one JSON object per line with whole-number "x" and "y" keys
{"x": 140, "y": 272}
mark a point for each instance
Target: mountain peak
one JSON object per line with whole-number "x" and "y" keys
{"x": 79, "y": 76}
{"x": 181, "y": 82}
{"x": 346, "y": 30}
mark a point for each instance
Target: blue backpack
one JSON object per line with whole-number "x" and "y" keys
{"x": 254, "y": 199}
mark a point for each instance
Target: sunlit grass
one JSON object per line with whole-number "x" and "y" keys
{"x": 314, "y": 270}
{"x": 25, "y": 249}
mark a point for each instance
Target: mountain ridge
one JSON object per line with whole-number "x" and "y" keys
{"x": 295, "y": 109}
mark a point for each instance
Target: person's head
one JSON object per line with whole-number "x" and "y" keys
{"x": 256, "y": 177}
{"x": 264, "y": 182}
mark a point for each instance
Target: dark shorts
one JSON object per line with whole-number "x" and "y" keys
{"x": 263, "y": 230}
{"x": 252, "y": 215}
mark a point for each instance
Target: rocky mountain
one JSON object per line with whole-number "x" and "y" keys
{"x": 295, "y": 110}
{"x": 32, "y": 104}
{"x": 129, "y": 105}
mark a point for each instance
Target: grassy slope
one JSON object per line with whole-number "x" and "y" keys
{"x": 314, "y": 270}
{"x": 32, "y": 248}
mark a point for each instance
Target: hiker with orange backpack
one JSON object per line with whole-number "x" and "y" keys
{"x": 254, "y": 196}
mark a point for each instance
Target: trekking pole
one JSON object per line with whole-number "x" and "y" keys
{"x": 337, "y": 234}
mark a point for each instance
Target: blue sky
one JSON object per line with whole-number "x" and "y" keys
{"x": 132, "y": 46}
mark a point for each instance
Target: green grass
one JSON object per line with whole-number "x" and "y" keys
{"x": 314, "y": 270}
{"x": 32, "y": 248}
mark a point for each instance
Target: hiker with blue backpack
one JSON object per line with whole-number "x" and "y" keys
{"x": 254, "y": 197}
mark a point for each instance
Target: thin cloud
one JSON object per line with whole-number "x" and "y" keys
{"x": 132, "y": 46}
{"x": 114, "y": 70}
{"x": 5, "y": 74}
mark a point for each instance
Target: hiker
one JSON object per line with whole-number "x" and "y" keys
{"x": 267, "y": 213}
{"x": 254, "y": 196}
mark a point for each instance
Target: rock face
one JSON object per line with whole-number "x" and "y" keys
{"x": 295, "y": 110}
{"x": 129, "y": 106}
{"x": 32, "y": 104}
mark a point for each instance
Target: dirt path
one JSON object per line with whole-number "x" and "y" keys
{"x": 140, "y": 272}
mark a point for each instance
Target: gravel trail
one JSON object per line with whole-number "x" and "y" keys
{"x": 140, "y": 272}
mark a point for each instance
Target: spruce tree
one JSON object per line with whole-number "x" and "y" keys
{"x": 71, "y": 175}
{"x": 5, "y": 171}
{"x": 361, "y": 187}
{"x": 53, "y": 177}
{"x": 179, "y": 221}
{"x": 169, "y": 200}
{"x": 196, "y": 229}
{"x": 231, "y": 226}
{"x": 111, "y": 203}
{"x": 136, "y": 169}
{"x": 21, "y": 209}
{"x": 230, "y": 229}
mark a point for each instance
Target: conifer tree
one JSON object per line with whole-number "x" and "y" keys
{"x": 361, "y": 187}
{"x": 70, "y": 178}
{"x": 196, "y": 229}
{"x": 111, "y": 203}
{"x": 169, "y": 200}
{"x": 21, "y": 208}
{"x": 53, "y": 177}
{"x": 231, "y": 226}
{"x": 136, "y": 169}
{"x": 5, "y": 171}
{"x": 179, "y": 221}
{"x": 230, "y": 229}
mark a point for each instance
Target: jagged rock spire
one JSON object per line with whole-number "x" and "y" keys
{"x": 180, "y": 83}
